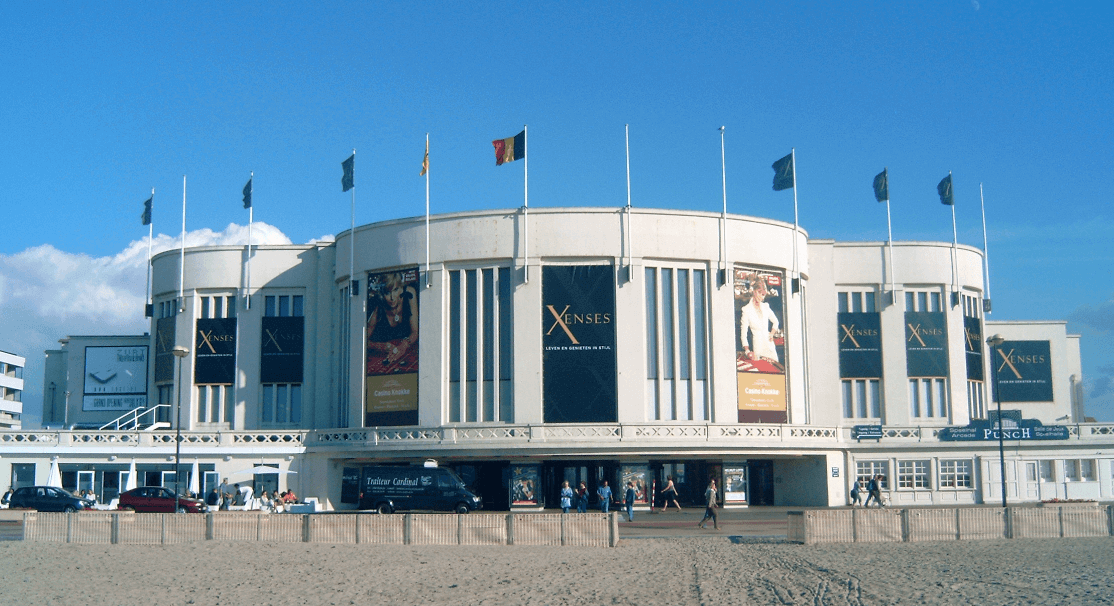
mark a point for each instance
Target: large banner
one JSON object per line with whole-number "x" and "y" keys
{"x": 115, "y": 378}
{"x": 281, "y": 350}
{"x": 972, "y": 347}
{"x": 164, "y": 343}
{"x": 392, "y": 348}
{"x": 578, "y": 344}
{"x": 860, "y": 345}
{"x": 1024, "y": 371}
{"x": 760, "y": 345}
{"x": 215, "y": 351}
{"x": 926, "y": 344}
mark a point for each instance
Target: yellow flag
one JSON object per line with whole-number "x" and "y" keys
{"x": 425, "y": 160}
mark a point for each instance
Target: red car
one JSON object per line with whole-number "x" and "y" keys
{"x": 156, "y": 499}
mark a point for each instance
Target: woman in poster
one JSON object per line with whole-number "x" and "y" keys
{"x": 758, "y": 324}
{"x": 392, "y": 323}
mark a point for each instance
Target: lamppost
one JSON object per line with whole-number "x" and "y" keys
{"x": 994, "y": 342}
{"x": 179, "y": 352}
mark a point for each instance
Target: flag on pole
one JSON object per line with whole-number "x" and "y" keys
{"x": 425, "y": 160}
{"x": 347, "y": 182}
{"x": 783, "y": 173}
{"x": 147, "y": 210}
{"x": 882, "y": 186}
{"x": 510, "y": 149}
{"x": 944, "y": 188}
{"x": 247, "y": 193}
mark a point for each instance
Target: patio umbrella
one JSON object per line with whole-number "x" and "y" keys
{"x": 262, "y": 470}
{"x": 195, "y": 487}
{"x": 132, "y": 482}
{"x": 55, "y": 477}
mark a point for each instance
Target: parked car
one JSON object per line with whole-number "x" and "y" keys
{"x": 48, "y": 498}
{"x": 156, "y": 499}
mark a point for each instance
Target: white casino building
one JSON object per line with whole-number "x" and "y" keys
{"x": 580, "y": 344}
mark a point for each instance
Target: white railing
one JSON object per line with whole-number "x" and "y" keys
{"x": 131, "y": 419}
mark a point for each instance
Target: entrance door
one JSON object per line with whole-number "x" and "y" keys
{"x": 1032, "y": 486}
{"x": 760, "y": 474}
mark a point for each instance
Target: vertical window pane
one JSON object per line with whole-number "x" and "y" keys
{"x": 269, "y": 306}
{"x": 268, "y": 403}
{"x": 229, "y": 405}
{"x": 875, "y": 399}
{"x": 856, "y": 301}
{"x": 698, "y": 302}
{"x": 868, "y": 302}
{"x": 218, "y": 307}
{"x": 667, "y": 323}
{"x": 488, "y": 321}
{"x": 843, "y": 305}
{"x": 284, "y": 305}
{"x": 454, "y": 346}
{"x": 941, "y": 398}
{"x": 298, "y": 310}
{"x": 935, "y": 302}
{"x": 922, "y": 302}
{"x": 295, "y": 403}
{"x": 651, "y": 324}
{"x": 914, "y": 398}
{"x": 215, "y": 403}
{"x": 205, "y": 307}
{"x": 909, "y": 304}
{"x": 860, "y": 396}
{"x": 280, "y": 403}
{"x": 202, "y": 402}
{"x": 230, "y": 307}
{"x": 506, "y": 347}
{"x": 848, "y": 401}
{"x": 683, "y": 323}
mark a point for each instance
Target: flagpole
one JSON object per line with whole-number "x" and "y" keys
{"x": 251, "y": 215}
{"x": 352, "y": 244}
{"x": 800, "y": 291}
{"x": 890, "y": 237}
{"x": 526, "y": 205}
{"x": 955, "y": 244}
{"x": 150, "y": 236}
{"x": 723, "y": 215}
{"x": 426, "y": 168}
{"x": 796, "y": 226}
{"x": 985, "y": 252}
{"x": 182, "y": 256}
{"x": 630, "y": 254}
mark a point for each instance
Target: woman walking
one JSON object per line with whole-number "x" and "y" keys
{"x": 566, "y": 497}
{"x": 669, "y": 495}
{"x": 710, "y": 510}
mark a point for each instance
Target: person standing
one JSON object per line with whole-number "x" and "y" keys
{"x": 604, "y": 493}
{"x": 710, "y": 508}
{"x": 226, "y": 491}
{"x": 629, "y": 501}
{"x": 582, "y": 498}
{"x": 566, "y": 497}
{"x": 669, "y": 495}
{"x": 856, "y": 493}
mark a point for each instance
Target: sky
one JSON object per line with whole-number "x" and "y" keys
{"x": 104, "y": 102}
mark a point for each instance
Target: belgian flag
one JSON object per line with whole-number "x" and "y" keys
{"x": 510, "y": 149}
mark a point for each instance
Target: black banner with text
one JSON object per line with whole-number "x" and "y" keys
{"x": 1024, "y": 371}
{"x": 926, "y": 344}
{"x": 164, "y": 343}
{"x": 281, "y": 351}
{"x": 860, "y": 345}
{"x": 215, "y": 351}
{"x": 972, "y": 346}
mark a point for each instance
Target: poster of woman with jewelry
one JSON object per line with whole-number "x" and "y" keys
{"x": 760, "y": 344}
{"x": 392, "y": 348}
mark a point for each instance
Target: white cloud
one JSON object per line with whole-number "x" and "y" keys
{"x": 47, "y": 294}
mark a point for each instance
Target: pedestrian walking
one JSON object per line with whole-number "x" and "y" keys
{"x": 710, "y": 509}
{"x": 629, "y": 501}
{"x": 669, "y": 495}
{"x": 856, "y": 493}
{"x": 604, "y": 493}
{"x": 566, "y": 497}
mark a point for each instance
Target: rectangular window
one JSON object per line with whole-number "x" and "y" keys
{"x": 955, "y": 474}
{"x": 215, "y": 404}
{"x": 344, "y": 346}
{"x": 865, "y": 470}
{"x": 862, "y": 399}
{"x": 282, "y": 404}
{"x": 912, "y": 475}
{"x": 923, "y": 300}
{"x": 1047, "y": 471}
{"x": 928, "y": 398}
{"x": 857, "y": 301}
{"x": 481, "y": 346}
{"x": 283, "y": 306}
{"x": 972, "y": 306}
{"x": 676, "y": 344}
{"x": 976, "y": 402}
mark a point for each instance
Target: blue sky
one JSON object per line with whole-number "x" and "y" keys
{"x": 105, "y": 101}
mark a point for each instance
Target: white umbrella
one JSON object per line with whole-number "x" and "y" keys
{"x": 55, "y": 477}
{"x": 132, "y": 482}
{"x": 262, "y": 470}
{"x": 195, "y": 487}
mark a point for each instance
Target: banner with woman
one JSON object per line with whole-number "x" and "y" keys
{"x": 392, "y": 348}
{"x": 760, "y": 345}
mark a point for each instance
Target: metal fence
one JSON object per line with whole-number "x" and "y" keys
{"x": 960, "y": 524}
{"x": 583, "y": 530}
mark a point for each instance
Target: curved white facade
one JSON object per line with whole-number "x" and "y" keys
{"x": 599, "y": 343}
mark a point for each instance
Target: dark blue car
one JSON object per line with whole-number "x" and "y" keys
{"x": 48, "y": 498}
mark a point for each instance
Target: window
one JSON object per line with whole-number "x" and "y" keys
{"x": 676, "y": 344}
{"x": 217, "y": 306}
{"x": 928, "y": 398}
{"x": 976, "y": 401}
{"x": 481, "y": 346}
{"x": 215, "y": 404}
{"x": 1079, "y": 470}
{"x": 169, "y": 309}
{"x": 344, "y": 346}
{"x": 283, "y": 305}
{"x": 857, "y": 301}
{"x": 955, "y": 474}
{"x": 866, "y": 470}
{"x": 922, "y": 300}
{"x": 1047, "y": 471}
{"x": 862, "y": 399}
{"x": 23, "y": 474}
{"x": 912, "y": 475}
{"x": 972, "y": 306}
{"x": 282, "y": 404}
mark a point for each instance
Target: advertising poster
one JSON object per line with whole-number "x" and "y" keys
{"x": 164, "y": 343}
{"x": 637, "y": 474}
{"x": 760, "y": 345}
{"x": 972, "y": 347}
{"x": 578, "y": 344}
{"x": 734, "y": 482}
{"x": 524, "y": 485}
{"x": 392, "y": 348}
{"x": 1024, "y": 371}
{"x": 926, "y": 344}
{"x": 860, "y": 345}
{"x": 215, "y": 351}
{"x": 115, "y": 378}
{"x": 280, "y": 354}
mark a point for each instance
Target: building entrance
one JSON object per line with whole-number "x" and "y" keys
{"x": 592, "y": 473}
{"x": 490, "y": 480}
{"x": 761, "y": 474}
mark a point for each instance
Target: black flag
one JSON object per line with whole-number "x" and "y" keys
{"x": 247, "y": 193}
{"x": 783, "y": 173}
{"x": 347, "y": 182}
{"x": 882, "y": 186}
{"x": 945, "y": 191}
{"x": 147, "y": 210}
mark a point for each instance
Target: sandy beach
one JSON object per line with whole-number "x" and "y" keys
{"x": 674, "y": 571}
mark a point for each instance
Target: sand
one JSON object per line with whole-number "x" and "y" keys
{"x": 676, "y": 571}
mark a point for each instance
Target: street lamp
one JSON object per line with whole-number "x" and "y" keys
{"x": 994, "y": 342}
{"x": 179, "y": 352}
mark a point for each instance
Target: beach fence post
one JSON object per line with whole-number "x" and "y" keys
{"x": 1009, "y": 522}
{"x": 162, "y": 529}
{"x": 407, "y": 528}
{"x": 69, "y": 528}
{"x": 613, "y": 528}
{"x": 357, "y": 517}
{"x": 564, "y": 516}
{"x": 459, "y": 529}
{"x": 208, "y": 527}
{"x": 510, "y": 529}
{"x": 854, "y": 525}
{"x": 904, "y": 525}
{"x": 1110, "y": 518}
{"x": 307, "y": 528}
{"x": 115, "y": 533}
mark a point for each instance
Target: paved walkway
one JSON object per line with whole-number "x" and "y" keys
{"x": 769, "y": 522}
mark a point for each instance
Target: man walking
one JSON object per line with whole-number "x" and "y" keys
{"x": 604, "y": 493}
{"x": 629, "y": 501}
{"x": 710, "y": 509}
